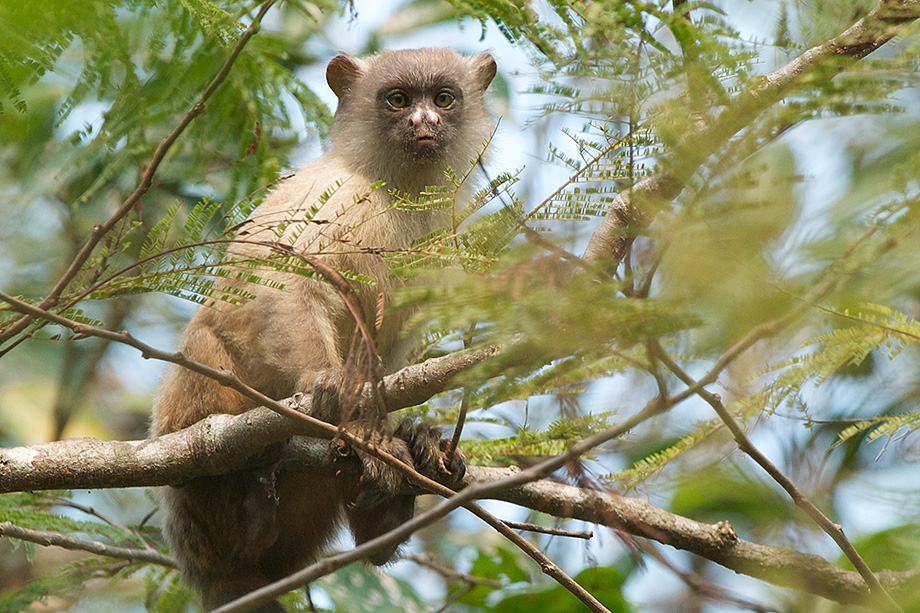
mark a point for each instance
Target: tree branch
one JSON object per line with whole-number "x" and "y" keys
{"x": 212, "y": 446}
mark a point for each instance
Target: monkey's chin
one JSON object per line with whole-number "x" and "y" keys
{"x": 425, "y": 149}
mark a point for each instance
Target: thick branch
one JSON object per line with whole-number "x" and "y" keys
{"x": 609, "y": 241}
{"x": 716, "y": 542}
{"x": 212, "y": 446}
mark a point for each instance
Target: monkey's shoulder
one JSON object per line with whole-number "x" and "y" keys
{"x": 322, "y": 190}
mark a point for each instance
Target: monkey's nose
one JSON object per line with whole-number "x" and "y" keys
{"x": 424, "y": 115}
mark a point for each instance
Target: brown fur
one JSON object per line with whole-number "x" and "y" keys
{"x": 237, "y": 532}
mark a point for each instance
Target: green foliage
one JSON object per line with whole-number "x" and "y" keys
{"x": 556, "y": 439}
{"x": 165, "y": 593}
{"x": 877, "y": 330}
{"x": 883, "y": 425}
{"x": 500, "y": 564}
{"x": 721, "y": 492}
{"x": 37, "y": 590}
{"x": 648, "y": 465}
{"x": 133, "y": 69}
{"x": 605, "y": 584}
{"x": 30, "y": 511}
{"x": 894, "y": 549}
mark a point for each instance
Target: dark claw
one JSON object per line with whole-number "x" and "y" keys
{"x": 428, "y": 450}
{"x": 457, "y": 462}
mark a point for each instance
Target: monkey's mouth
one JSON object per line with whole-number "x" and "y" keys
{"x": 425, "y": 146}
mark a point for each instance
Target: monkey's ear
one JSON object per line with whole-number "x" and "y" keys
{"x": 484, "y": 69}
{"x": 342, "y": 73}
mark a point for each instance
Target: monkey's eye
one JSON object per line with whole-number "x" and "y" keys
{"x": 398, "y": 100}
{"x": 444, "y": 99}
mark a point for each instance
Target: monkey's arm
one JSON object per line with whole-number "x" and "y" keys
{"x": 186, "y": 397}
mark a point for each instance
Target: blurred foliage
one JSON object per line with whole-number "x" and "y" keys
{"x": 815, "y": 199}
{"x": 52, "y": 512}
{"x": 605, "y": 584}
{"x": 365, "y": 590}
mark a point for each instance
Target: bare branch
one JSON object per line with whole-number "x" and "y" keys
{"x": 716, "y": 542}
{"x": 54, "y": 539}
{"x": 579, "y": 534}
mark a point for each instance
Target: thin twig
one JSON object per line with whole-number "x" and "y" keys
{"x": 60, "y": 501}
{"x": 67, "y": 502}
{"x": 578, "y": 534}
{"x": 55, "y": 539}
{"x": 448, "y": 572}
{"x": 458, "y": 428}
{"x": 452, "y": 598}
{"x": 464, "y": 404}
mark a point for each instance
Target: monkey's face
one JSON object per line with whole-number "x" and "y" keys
{"x": 419, "y": 120}
{"x": 404, "y": 116}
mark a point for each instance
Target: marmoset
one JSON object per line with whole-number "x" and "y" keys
{"x": 403, "y": 118}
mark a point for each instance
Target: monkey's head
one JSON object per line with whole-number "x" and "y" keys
{"x": 406, "y": 112}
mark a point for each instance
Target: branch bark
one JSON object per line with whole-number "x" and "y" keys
{"x": 89, "y": 463}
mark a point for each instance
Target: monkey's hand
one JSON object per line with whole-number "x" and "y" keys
{"x": 417, "y": 444}
{"x": 375, "y": 503}
{"x": 429, "y": 452}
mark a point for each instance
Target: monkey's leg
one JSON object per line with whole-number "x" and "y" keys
{"x": 219, "y": 527}
{"x": 309, "y": 512}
